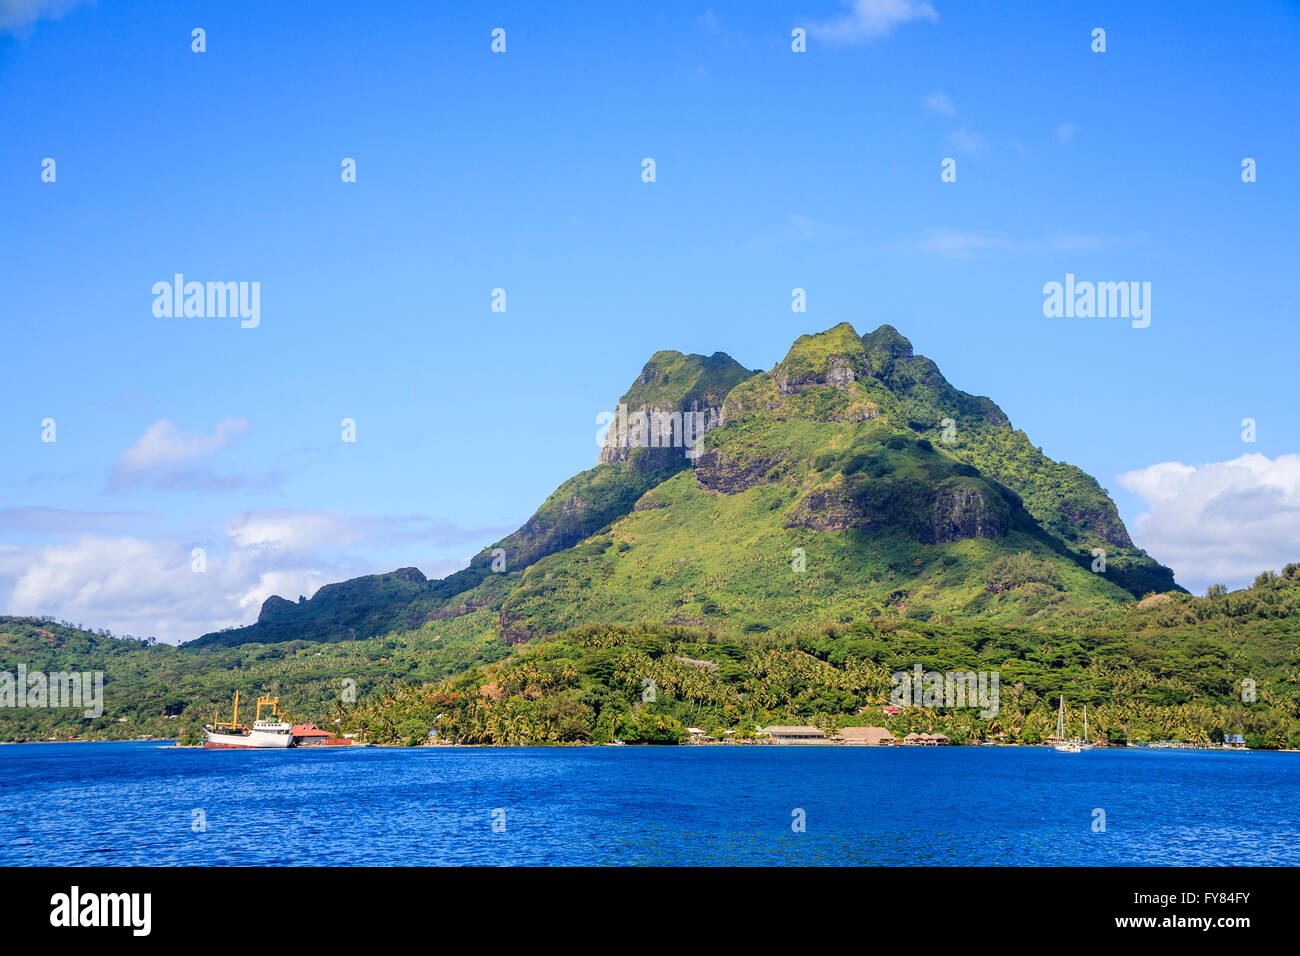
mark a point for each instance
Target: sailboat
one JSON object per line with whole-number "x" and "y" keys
{"x": 1064, "y": 746}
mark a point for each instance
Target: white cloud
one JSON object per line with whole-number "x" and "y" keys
{"x": 294, "y": 530}
{"x": 1221, "y": 522}
{"x": 17, "y": 14}
{"x": 1065, "y": 133}
{"x": 939, "y": 103}
{"x": 166, "y": 456}
{"x": 148, "y": 588}
{"x": 134, "y": 585}
{"x": 867, "y": 19}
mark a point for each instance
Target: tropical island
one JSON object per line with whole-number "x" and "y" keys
{"x": 751, "y": 548}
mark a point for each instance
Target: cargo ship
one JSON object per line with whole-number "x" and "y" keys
{"x": 273, "y": 734}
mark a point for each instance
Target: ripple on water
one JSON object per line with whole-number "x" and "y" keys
{"x": 131, "y": 804}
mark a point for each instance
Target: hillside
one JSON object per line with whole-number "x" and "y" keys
{"x": 166, "y": 692}
{"x": 1170, "y": 667}
{"x": 850, "y": 478}
{"x": 579, "y": 508}
{"x": 1173, "y": 667}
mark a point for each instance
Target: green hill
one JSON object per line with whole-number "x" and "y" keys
{"x": 1170, "y": 667}
{"x": 164, "y": 691}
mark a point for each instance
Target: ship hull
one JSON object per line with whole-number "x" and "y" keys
{"x": 256, "y": 740}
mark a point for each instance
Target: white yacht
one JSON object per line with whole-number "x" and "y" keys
{"x": 1064, "y": 746}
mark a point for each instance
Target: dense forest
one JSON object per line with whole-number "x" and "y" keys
{"x": 1169, "y": 667}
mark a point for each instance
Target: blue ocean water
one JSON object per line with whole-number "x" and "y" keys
{"x": 135, "y": 803}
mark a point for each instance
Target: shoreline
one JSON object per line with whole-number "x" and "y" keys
{"x": 163, "y": 743}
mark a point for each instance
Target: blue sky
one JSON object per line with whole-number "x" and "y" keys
{"x": 522, "y": 171}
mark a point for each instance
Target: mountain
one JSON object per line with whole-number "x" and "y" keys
{"x": 850, "y": 480}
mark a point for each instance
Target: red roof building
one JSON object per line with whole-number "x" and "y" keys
{"x": 309, "y": 735}
{"x": 310, "y": 730}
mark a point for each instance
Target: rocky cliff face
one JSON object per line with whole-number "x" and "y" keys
{"x": 274, "y": 607}
{"x": 930, "y": 513}
{"x": 966, "y": 512}
{"x": 672, "y": 404}
{"x": 718, "y": 471}
{"x": 837, "y": 373}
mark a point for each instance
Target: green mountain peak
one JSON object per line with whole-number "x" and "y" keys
{"x": 850, "y": 480}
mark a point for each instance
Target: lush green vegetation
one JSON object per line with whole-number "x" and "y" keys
{"x": 671, "y": 380}
{"x": 1171, "y": 667}
{"x": 1173, "y": 670}
{"x": 166, "y": 691}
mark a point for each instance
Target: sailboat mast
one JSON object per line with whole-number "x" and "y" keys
{"x": 1085, "y": 723}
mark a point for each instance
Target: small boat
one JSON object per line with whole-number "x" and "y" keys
{"x": 274, "y": 734}
{"x": 1064, "y": 746}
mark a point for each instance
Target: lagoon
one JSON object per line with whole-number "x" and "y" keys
{"x": 140, "y": 804}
